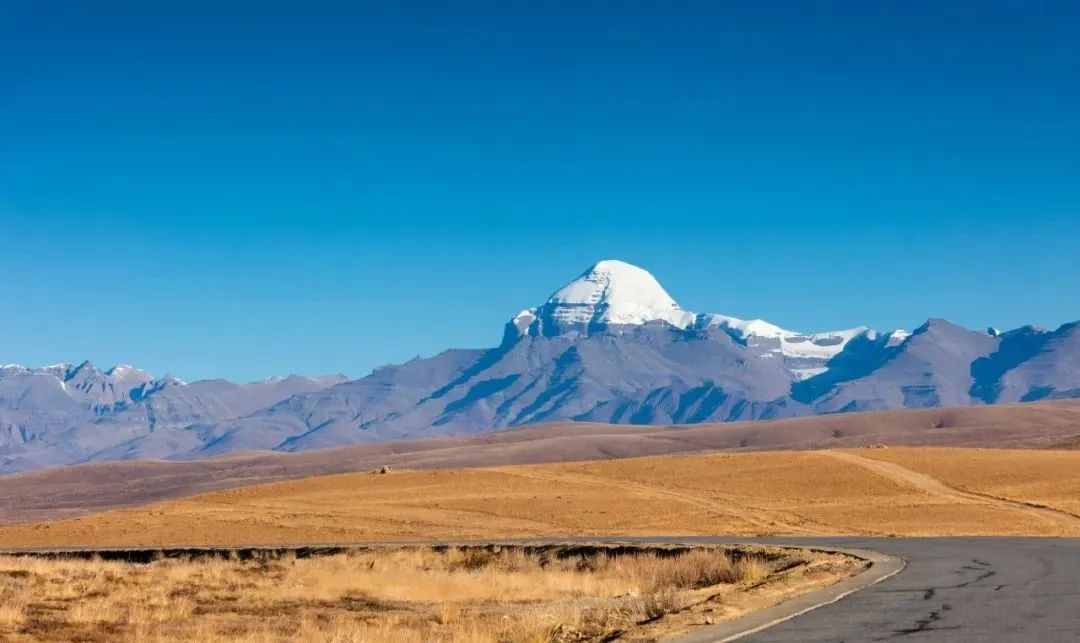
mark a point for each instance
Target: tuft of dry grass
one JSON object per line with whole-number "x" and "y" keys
{"x": 455, "y": 594}
{"x": 12, "y": 612}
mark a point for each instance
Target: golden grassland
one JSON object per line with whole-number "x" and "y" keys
{"x": 1048, "y": 478}
{"x": 777, "y": 493}
{"x": 474, "y": 594}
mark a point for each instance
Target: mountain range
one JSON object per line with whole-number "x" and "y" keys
{"x": 610, "y": 346}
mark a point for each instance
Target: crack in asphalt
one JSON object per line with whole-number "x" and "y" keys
{"x": 980, "y": 577}
{"x": 932, "y": 621}
{"x": 924, "y": 624}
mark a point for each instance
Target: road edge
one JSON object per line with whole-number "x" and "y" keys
{"x": 882, "y": 567}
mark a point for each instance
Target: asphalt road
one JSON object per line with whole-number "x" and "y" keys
{"x": 951, "y": 589}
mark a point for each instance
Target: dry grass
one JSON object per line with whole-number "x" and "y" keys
{"x": 1049, "y": 478}
{"x": 796, "y": 493}
{"x": 66, "y": 492}
{"x": 408, "y": 594}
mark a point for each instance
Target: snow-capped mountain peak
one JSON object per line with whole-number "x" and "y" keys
{"x": 614, "y": 292}
{"x": 611, "y": 292}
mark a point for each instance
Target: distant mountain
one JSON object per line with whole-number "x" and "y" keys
{"x": 610, "y": 346}
{"x": 1030, "y": 364}
{"x": 73, "y": 413}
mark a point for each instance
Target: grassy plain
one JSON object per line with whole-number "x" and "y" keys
{"x": 1048, "y": 478}
{"x": 66, "y": 492}
{"x": 761, "y": 493}
{"x": 405, "y": 594}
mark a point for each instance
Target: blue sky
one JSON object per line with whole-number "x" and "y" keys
{"x": 306, "y": 187}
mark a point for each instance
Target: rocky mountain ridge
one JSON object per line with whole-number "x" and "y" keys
{"x": 610, "y": 346}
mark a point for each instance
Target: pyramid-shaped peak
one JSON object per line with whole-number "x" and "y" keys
{"x": 628, "y": 294}
{"x": 611, "y": 292}
{"x": 616, "y": 266}
{"x": 621, "y": 269}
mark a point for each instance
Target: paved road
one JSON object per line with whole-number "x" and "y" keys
{"x": 952, "y": 589}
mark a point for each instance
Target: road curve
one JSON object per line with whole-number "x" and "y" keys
{"x": 952, "y": 589}
{"x": 1019, "y": 590}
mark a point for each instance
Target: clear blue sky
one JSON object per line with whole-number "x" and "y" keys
{"x": 303, "y": 187}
